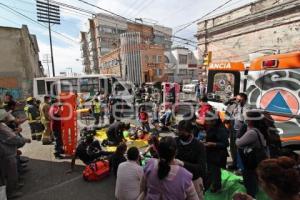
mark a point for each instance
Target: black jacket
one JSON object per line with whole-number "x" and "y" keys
{"x": 218, "y": 154}
{"x": 194, "y": 157}
{"x": 88, "y": 152}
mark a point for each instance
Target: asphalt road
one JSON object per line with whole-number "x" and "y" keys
{"x": 47, "y": 178}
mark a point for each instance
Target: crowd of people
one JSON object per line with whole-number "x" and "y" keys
{"x": 45, "y": 126}
{"x": 181, "y": 167}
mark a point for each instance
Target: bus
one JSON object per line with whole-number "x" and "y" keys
{"x": 272, "y": 83}
{"x": 85, "y": 86}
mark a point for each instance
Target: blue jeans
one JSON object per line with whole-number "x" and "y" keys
{"x": 58, "y": 142}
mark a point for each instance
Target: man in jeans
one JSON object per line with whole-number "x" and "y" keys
{"x": 55, "y": 114}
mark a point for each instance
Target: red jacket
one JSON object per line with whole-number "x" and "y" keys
{"x": 143, "y": 116}
{"x": 202, "y": 112}
{"x": 54, "y": 113}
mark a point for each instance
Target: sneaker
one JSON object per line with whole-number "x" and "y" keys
{"x": 58, "y": 156}
{"x": 14, "y": 195}
{"x": 46, "y": 142}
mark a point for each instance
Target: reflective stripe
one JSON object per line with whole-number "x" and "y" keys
{"x": 97, "y": 107}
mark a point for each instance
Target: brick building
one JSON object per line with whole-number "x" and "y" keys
{"x": 19, "y": 61}
{"x": 104, "y": 39}
{"x": 264, "y": 25}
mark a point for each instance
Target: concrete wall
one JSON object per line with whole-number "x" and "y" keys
{"x": 265, "y": 24}
{"x": 19, "y": 61}
{"x": 174, "y": 68}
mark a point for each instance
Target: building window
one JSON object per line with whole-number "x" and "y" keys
{"x": 154, "y": 59}
{"x": 191, "y": 72}
{"x": 183, "y": 71}
{"x": 158, "y": 72}
{"x": 146, "y": 58}
{"x": 182, "y": 59}
{"x": 159, "y": 59}
{"x": 41, "y": 87}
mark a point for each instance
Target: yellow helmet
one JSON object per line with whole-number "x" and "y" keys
{"x": 29, "y": 99}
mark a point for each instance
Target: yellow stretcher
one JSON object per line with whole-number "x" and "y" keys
{"x": 101, "y": 135}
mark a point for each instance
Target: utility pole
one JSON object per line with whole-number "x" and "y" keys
{"x": 50, "y": 14}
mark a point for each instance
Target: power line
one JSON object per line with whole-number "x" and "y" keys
{"x": 138, "y": 5}
{"x": 25, "y": 16}
{"x": 9, "y": 20}
{"x": 194, "y": 21}
{"x": 112, "y": 13}
{"x": 130, "y": 6}
{"x": 130, "y": 20}
{"x": 105, "y": 10}
{"x": 140, "y": 9}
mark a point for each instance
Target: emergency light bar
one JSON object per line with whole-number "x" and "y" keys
{"x": 270, "y": 64}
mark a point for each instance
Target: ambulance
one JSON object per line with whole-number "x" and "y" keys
{"x": 272, "y": 83}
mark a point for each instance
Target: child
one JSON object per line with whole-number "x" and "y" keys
{"x": 117, "y": 158}
{"x": 144, "y": 119}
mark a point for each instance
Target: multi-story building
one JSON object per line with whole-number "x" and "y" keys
{"x": 19, "y": 61}
{"x": 265, "y": 25}
{"x": 92, "y": 47}
{"x": 106, "y": 35}
{"x": 111, "y": 63}
{"x": 141, "y": 61}
{"x": 85, "y": 53}
{"x": 181, "y": 65}
{"x": 108, "y": 30}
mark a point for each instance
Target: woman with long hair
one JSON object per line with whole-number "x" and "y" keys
{"x": 165, "y": 178}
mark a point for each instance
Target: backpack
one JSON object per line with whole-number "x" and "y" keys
{"x": 96, "y": 171}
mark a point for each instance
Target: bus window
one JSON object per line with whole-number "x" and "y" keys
{"x": 69, "y": 85}
{"x": 90, "y": 85}
{"x": 41, "y": 87}
{"x": 51, "y": 88}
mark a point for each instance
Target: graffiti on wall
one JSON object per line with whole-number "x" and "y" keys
{"x": 278, "y": 92}
{"x": 15, "y": 92}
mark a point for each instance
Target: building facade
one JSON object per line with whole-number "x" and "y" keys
{"x": 85, "y": 53}
{"x": 111, "y": 63}
{"x": 19, "y": 61}
{"x": 141, "y": 62}
{"x": 108, "y": 33}
{"x": 182, "y": 65}
{"x": 265, "y": 25}
{"x": 92, "y": 47}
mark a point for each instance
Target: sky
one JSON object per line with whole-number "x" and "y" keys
{"x": 66, "y": 46}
